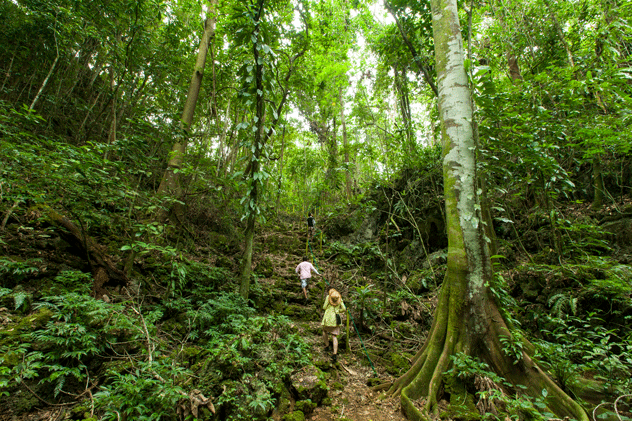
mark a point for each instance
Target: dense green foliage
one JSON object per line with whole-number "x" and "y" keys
{"x": 112, "y": 309}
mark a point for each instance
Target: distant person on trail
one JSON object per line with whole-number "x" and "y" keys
{"x": 311, "y": 222}
{"x": 333, "y": 306}
{"x": 304, "y": 270}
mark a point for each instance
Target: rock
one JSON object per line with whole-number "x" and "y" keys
{"x": 620, "y": 231}
{"x": 294, "y": 416}
{"x": 309, "y": 384}
{"x": 306, "y": 406}
{"x": 435, "y": 259}
{"x": 265, "y": 268}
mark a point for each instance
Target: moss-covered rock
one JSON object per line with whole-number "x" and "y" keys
{"x": 18, "y": 300}
{"x": 294, "y": 416}
{"x": 374, "y": 381}
{"x": 306, "y": 406}
{"x": 294, "y": 311}
{"x": 284, "y": 404}
{"x": 222, "y": 261}
{"x": 26, "y": 324}
{"x": 265, "y": 268}
{"x": 309, "y": 384}
{"x": 399, "y": 363}
{"x": 337, "y": 386}
{"x": 420, "y": 281}
{"x": 21, "y": 401}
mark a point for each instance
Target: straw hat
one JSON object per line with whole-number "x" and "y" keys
{"x": 334, "y": 297}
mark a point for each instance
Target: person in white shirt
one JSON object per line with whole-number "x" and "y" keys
{"x": 304, "y": 271}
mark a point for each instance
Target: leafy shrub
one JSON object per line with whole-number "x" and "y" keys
{"x": 248, "y": 362}
{"x": 13, "y": 272}
{"x": 575, "y": 345}
{"x": 144, "y": 391}
{"x": 226, "y": 313}
{"x": 61, "y": 352}
{"x": 489, "y": 389}
{"x": 74, "y": 281}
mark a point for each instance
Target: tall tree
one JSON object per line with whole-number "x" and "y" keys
{"x": 467, "y": 321}
{"x": 170, "y": 180}
{"x": 263, "y": 126}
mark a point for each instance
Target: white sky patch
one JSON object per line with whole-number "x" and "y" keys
{"x": 381, "y": 14}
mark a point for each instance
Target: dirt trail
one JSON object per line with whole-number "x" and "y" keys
{"x": 354, "y": 400}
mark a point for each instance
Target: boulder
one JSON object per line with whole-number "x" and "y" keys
{"x": 309, "y": 383}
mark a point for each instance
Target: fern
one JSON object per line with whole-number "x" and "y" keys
{"x": 19, "y": 298}
{"x": 561, "y": 304}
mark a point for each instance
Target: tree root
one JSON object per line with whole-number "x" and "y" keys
{"x": 103, "y": 268}
{"x": 452, "y": 334}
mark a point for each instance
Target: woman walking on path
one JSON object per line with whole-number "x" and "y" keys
{"x": 331, "y": 324}
{"x": 304, "y": 270}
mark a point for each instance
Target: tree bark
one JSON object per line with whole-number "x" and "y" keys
{"x": 112, "y": 133}
{"x": 467, "y": 319}
{"x": 50, "y": 72}
{"x": 401, "y": 84}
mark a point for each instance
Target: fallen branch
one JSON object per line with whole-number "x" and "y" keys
{"x": 8, "y": 215}
{"x": 104, "y": 269}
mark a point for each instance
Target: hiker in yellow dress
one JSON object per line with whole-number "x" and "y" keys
{"x": 331, "y": 324}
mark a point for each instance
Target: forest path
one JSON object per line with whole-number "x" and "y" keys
{"x": 355, "y": 400}
{"x": 351, "y": 397}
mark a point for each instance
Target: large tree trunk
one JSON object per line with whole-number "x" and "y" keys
{"x": 467, "y": 319}
{"x": 170, "y": 183}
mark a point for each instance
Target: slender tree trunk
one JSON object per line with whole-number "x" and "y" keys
{"x": 345, "y": 145}
{"x": 112, "y": 133}
{"x": 280, "y": 182}
{"x": 560, "y": 33}
{"x": 261, "y": 137}
{"x": 597, "y": 202}
{"x": 404, "y": 107}
{"x": 423, "y": 69}
{"x": 467, "y": 320}
{"x": 221, "y": 155}
{"x": 170, "y": 183}
{"x": 8, "y": 72}
{"x": 332, "y": 170}
{"x": 50, "y": 72}
{"x": 253, "y": 167}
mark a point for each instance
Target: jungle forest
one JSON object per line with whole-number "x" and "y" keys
{"x": 457, "y": 173}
